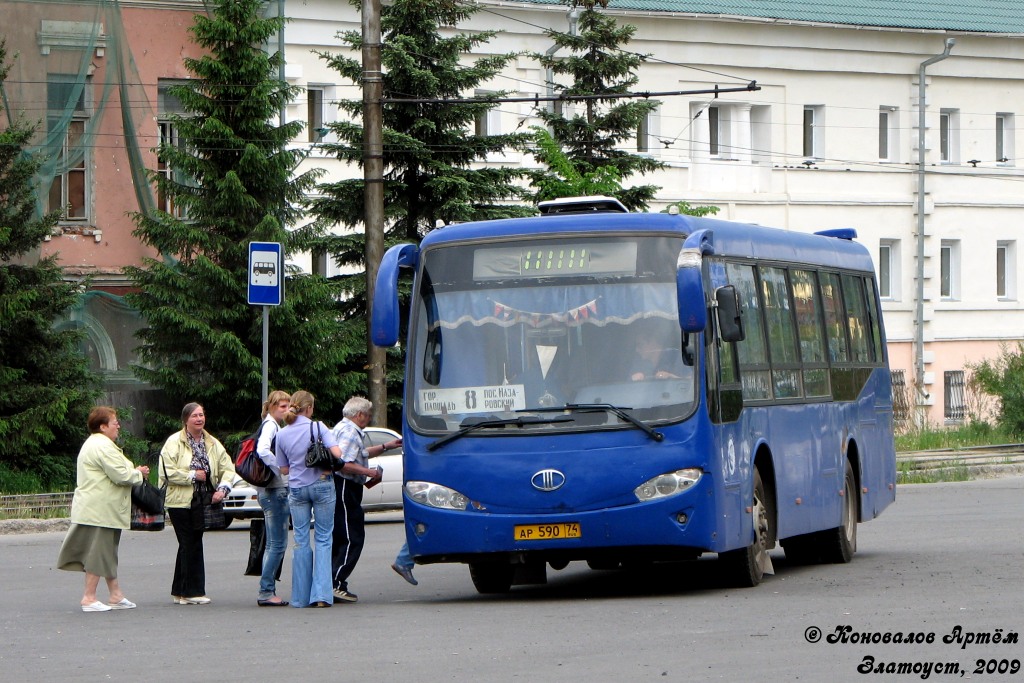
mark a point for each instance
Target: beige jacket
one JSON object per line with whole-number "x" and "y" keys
{"x": 104, "y": 486}
{"x": 176, "y": 457}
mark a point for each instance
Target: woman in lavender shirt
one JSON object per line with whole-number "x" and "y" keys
{"x": 310, "y": 493}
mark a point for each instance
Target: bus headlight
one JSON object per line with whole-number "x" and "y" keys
{"x": 668, "y": 484}
{"x": 438, "y": 496}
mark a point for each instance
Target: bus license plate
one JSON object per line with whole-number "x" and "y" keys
{"x": 547, "y": 532}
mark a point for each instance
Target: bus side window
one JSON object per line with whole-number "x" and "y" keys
{"x": 858, "y": 322}
{"x": 835, "y": 326}
{"x": 753, "y": 352}
{"x": 807, "y": 305}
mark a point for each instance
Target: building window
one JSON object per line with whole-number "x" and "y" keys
{"x": 69, "y": 190}
{"x": 888, "y": 133}
{"x": 488, "y": 121}
{"x": 168, "y": 106}
{"x": 900, "y": 396}
{"x": 1006, "y": 275}
{"x": 814, "y": 132}
{"x": 889, "y": 270}
{"x": 949, "y": 270}
{"x": 954, "y": 396}
{"x": 643, "y": 134}
{"x": 714, "y": 131}
{"x": 1004, "y": 139}
{"x": 949, "y": 136}
{"x": 314, "y": 114}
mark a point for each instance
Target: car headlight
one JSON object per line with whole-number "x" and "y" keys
{"x": 437, "y": 496}
{"x": 668, "y": 484}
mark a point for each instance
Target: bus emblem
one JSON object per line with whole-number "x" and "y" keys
{"x": 548, "y": 480}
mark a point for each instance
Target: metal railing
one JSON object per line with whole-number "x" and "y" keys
{"x": 35, "y": 505}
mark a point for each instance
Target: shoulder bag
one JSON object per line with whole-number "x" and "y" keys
{"x": 249, "y": 465}
{"x": 317, "y": 455}
{"x": 148, "y": 505}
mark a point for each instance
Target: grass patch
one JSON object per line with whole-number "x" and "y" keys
{"x": 51, "y": 513}
{"x": 908, "y": 473}
{"x": 966, "y": 436}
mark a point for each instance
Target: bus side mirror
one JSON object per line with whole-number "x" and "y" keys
{"x": 384, "y": 315}
{"x": 730, "y": 314}
{"x": 693, "y": 311}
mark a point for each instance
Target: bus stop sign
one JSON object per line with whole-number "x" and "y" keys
{"x": 266, "y": 276}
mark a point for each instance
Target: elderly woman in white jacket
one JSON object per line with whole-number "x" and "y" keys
{"x": 100, "y": 510}
{"x": 192, "y": 460}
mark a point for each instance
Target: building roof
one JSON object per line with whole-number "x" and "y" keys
{"x": 986, "y": 16}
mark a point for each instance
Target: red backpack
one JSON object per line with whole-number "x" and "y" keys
{"x": 248, "y": 464}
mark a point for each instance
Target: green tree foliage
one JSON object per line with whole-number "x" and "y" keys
{"x": 593, "y": 131}
{"x": 1003, "y": 378}
{"x": 563, "y": 179}
{"x": 429, "y": 148}
{"x": 234, "y": 183}
{"x": 687, "y": 209}
{"x": 46, "y": 388}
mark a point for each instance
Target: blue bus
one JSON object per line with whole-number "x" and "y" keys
{"x": 618, "y": 388}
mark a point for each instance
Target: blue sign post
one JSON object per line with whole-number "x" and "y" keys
{"x": 266, "y": 279}
{"x": 266, "y": 288}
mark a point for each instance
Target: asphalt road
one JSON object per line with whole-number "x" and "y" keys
{"x": 945, "y": 556}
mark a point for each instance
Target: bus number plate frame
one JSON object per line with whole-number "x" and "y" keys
{"x": 547, "y": 532}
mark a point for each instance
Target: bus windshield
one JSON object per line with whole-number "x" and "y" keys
{"x": 503, "y": 328}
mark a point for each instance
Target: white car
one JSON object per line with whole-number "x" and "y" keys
{"x": 242, "y": 502}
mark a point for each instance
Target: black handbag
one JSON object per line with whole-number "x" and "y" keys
{"x": 317, "y": 455}
{"x": 148, "y": 506}
{"x": 146, "y": 521}
{"x": 257, "y": 547}
{"x": 205, "y": 513}
{"x": 148, "y": 497}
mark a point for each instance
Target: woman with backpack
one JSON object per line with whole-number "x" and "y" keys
{"x": 273, "y": 499}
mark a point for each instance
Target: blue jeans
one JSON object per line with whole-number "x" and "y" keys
{"x": 311, "y": 567}
{"x": 275, "y": 514}
{"x": 404, "y": 559}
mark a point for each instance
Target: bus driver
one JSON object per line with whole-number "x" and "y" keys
{"x": 652, "y": 361}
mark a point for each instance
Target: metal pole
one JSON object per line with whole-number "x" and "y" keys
{"x": 919, "y": 312}
{"x": 373, "y": 175}
{"x": 266, "y": 348}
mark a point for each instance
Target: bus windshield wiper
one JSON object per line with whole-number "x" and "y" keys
{"x": 619, "y": 412}
{"x": 520, "y": 421}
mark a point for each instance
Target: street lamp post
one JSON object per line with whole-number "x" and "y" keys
{"x": 373, "y": 176}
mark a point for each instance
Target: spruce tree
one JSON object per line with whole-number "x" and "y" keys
{"x": 430, "y": 149}
{"x": 234, "y": 183}
{"x": 593, "y": 131}
{"x": 46, "y": 387}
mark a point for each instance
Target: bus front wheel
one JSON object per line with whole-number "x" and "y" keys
{"x": 492, "y": 577}
{"x": 746, "y": 566}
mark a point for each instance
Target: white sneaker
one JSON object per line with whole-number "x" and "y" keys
{"x": 96, "y": 606}
{"x": 198, "y": 600}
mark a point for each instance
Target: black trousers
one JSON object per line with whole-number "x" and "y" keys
{"x": 189, "y": 566}
{"x": 349, "y": 530}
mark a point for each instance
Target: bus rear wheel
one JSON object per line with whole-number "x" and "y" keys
{"x": 838, "y": 545}
{"x": 492, "y": 577}
{"x": 746, "y": 567}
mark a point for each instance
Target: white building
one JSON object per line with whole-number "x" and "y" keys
{"x": 830, "y": 139}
